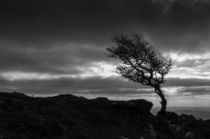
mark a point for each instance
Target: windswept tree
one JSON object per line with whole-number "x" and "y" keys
{"x": 141, "y": 63}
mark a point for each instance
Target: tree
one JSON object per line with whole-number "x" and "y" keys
{"x": 141, "y": 63}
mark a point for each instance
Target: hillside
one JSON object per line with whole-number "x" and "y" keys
{"x": 71, "y": 117}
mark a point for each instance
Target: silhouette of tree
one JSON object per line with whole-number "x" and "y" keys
{"x": 141, "y": 63}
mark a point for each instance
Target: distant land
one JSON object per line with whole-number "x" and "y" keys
{"x": 198, "y": 112}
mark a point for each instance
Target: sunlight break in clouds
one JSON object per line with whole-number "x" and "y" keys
{"x": 199, "y": 70}
{"x": 181, "y": 69}
{"x": 190, "y": 66}
{"x": 17, "y": 75}
{"x": 179, "y": 57}
{"x": 97, "y": 69}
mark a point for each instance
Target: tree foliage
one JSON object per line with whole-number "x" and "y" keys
{"x": 141, "y": 62}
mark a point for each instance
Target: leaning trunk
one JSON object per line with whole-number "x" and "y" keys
{"x": 163, "y": 100}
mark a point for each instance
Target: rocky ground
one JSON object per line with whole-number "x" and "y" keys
{"x": 71, "y": 117}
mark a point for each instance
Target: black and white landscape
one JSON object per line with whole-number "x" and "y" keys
{"x": 56, "y": 47}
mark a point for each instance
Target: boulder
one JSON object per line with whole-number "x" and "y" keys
{"x": 189, "y": 135}
{"x": 149, "y": 132}
{"x": 141, "y": 105}
{"x": 138, "y": 106}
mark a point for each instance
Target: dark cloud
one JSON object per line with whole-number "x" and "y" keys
{"x": 187, "y": 82}
{"x": 56, "y": 36}
{"x": 180, "y": 23}
{"x": 192, "y": 91}
{"x": 32, "y": 30}
{"x": 55, "y": 58}
{"x": 70, "y": 85}
{"x": 193, "y": 63}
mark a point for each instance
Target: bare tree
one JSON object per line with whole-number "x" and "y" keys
{"x": 141, "y": 63}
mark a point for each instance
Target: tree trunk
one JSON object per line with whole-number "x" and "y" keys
{"x": 163, "y": 100}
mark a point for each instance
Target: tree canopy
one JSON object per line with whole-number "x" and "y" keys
{"x": 141, "y": 62}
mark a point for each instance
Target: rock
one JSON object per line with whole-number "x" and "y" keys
{"x": 173, "y": 118}
{"x": 175, "y": 128}
{"x": 1, "y": 136}
{"x": 77, "y": 117}
{"x": 149, "y": 132}
{"x": 206, "y": 132}
{"x": 122, "y": 137}
{"x": 102, "y": 99}
{"x": 189, "y": 135}
{"x": 188, "y": 118}
{"x": 161, "y": 124}
{"x": 141, "y": 105}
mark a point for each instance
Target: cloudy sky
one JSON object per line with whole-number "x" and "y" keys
{"x": 53, "y": 46}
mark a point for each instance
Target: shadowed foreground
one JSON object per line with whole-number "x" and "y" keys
{"x": 71, "y": 117}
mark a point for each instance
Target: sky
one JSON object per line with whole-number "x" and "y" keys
{"x": 54, "y": 47}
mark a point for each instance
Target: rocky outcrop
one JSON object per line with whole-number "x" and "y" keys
{"x": 68, "y": 116}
